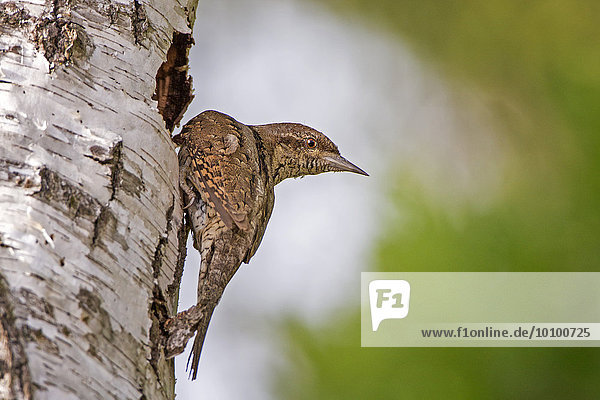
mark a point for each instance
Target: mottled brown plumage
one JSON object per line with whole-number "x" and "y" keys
{"x": 228, "y": 172}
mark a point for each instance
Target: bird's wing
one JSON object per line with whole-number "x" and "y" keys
{"x": 225, "y": 166}
{"x": 262, "y": 225}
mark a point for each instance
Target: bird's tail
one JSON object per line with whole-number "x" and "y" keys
{"x": 199, "y": 341}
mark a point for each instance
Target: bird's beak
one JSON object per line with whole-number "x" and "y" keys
{"x": 339, "y": 163}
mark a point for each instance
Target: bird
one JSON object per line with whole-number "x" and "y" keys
{"x": 228, "y": 172}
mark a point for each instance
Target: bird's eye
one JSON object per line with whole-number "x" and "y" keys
{"x": 311, "y": 143}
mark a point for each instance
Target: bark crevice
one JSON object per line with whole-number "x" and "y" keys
{"x": 116, "y": 169}
{"x": 105, "y": 222}
{"x": 173, "y": 85}
{"x": 159, "y": 311}
{"x": 182, "y": 236}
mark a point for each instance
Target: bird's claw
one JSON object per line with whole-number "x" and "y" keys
{"x": 190, "y": 203}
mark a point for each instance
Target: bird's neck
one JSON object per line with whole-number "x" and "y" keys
{"x": 279, "y": 165}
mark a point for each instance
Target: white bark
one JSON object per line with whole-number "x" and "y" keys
{"x": 89, "y": 203}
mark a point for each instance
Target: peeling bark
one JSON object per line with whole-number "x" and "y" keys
{"x": 91, "y": 236}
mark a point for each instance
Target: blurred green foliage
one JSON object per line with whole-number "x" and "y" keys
{"x": 539, "y": 62}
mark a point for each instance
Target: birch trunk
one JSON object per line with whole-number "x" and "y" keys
{"x": 91, "y": 240}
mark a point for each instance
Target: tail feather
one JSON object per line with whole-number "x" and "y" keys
{"x": 198, "y": 343}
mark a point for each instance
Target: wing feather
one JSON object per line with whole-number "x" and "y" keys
{"x": 225, "y": 164}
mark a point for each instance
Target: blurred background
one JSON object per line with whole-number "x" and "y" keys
{"x": 479, "y": 122}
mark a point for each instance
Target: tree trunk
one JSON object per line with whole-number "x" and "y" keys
{"x": 91, "y": 235}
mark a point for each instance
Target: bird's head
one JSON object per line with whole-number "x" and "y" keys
{"x": 298, "y": 150}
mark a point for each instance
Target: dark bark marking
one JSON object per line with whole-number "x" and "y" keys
{"x": 37, "y": 306}
{"x": 173, "y": 85}
{"x": 106, "y": 223}
{"x": 111, "y": 11}
{"x": 15, "y": 173}
{"x": 139, "y": 22}
{"x": 92, "y": 341}
{"x": 13, "y": 16}
{"x": 65, "y": 331}
{"x": 116, "y": 169}
{"x": 43, "y": 341}
{"x": 93, "y": 314}
{"x": 14, "y": 371}
{"x": 59, "y": 193}
{"x": 106, "y": 226}
{"x": 3, "y": 243}
{"x": 131, "y": 183}
{"x": 99, "y": 154}
{"x": 103, "y": 342}
{"x": 62, "y": 41}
